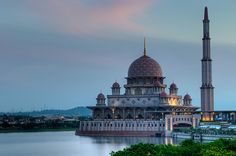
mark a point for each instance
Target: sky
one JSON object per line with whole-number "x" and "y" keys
{"x": 59, "y": 54}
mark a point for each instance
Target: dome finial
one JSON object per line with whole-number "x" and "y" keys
{"x": 145, "y": 49}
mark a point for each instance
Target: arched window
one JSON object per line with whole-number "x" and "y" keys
{"x": 140, "y": 116}
{"x": 138, "y": 91}
{"x": 119, "y": 116}
{"x": 129, "y": 116}
{"x": 108, "y": 116}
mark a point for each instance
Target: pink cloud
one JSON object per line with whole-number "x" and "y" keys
{"x": 77, "y": 17}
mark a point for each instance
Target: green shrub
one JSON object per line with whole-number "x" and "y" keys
{"x": 221, "y": 147}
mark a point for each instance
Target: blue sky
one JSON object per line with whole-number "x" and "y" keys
{"x": 62, "y": 53}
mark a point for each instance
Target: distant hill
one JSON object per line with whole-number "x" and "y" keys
{"x": 77, "y": 111}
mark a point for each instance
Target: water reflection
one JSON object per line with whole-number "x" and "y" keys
{"x": 67, "y": 144}
{"x": 134, "y": 140}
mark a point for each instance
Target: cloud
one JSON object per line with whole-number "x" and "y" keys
{"x": 80, "y": 17}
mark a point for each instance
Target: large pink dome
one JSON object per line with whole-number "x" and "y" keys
{"x": 145, "y": 66}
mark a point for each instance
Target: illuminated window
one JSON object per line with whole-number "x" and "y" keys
{"x": 172, "y": 101}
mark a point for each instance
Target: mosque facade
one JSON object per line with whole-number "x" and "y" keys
{"x": 143, "y": 108}
{"x": 149, "y": 107}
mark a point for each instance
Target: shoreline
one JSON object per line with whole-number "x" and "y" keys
{"x": 36, "y": 130}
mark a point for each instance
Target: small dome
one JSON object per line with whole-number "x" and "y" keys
{"x": 187, "y": 97}
{"x": 163, "y": 94}
{"x": 116, "y": 85}
{"x": 100, "y": 96}
{"x": 144, "y": 67}
{"x": 173, "y": 86}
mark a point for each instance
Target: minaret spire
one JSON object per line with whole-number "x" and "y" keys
{"x": 145, "y": 49}
{"x": 206, "y": 14}
{"x": 207, "y": 89}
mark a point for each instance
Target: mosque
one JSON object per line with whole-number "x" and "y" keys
{"x": 142, "y": 109}
{"x": 149, "y": 107}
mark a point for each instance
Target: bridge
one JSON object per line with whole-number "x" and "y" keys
{"x": 172, "y": 121}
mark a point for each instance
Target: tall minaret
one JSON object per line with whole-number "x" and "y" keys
{"x": 207, "y": 90}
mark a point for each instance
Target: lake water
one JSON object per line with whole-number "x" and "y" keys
{"x": 67, "y": 144}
